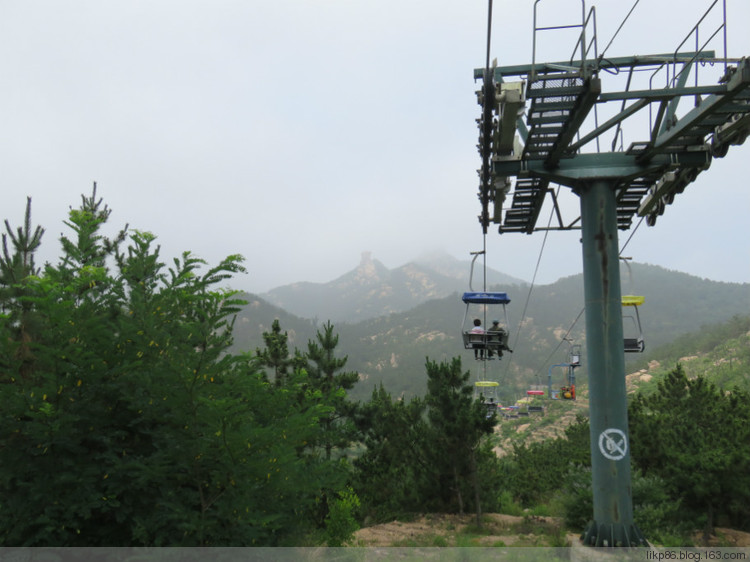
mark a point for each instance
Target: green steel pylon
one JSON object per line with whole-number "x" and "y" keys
{"x": 612, "y": 523}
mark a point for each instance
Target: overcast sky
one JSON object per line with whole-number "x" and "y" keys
{"x": 300, "y": 133}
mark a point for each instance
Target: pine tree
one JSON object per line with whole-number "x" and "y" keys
{"x": 458, "y": 423}
{"x": 136, "y": 426}
{"x": 17, "y": 267}
{"x": 695, "y": 436}
{"x": 390, "y": 473}
{"x": 276, "y": 354}
{"x": 324, "y": 378}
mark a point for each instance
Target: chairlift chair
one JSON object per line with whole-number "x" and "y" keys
{"x": 574, "y": 357}
{"x": 634, "y": 344}
{"x": 568, "y": 390}
{"x": 486, "y": 391}
{"x": 533, "y": 395}
{"x": 486, "y": 343}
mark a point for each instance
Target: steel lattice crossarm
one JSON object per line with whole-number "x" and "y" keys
{"x": 559, "y": 100}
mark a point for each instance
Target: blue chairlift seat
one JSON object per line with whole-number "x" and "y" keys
{"x": 492, "y": 341}
{"x": 485, "y": 298}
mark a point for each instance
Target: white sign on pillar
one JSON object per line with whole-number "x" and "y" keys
{"x": 613, "y": 444}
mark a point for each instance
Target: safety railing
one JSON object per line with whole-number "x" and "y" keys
{"x": 695, "y": 33}
{"x": 583, "y": 47}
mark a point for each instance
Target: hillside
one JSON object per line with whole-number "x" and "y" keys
{"x": 391, "y": 348}
{"x": 723, "y": 359}
{"x": 258, "y": 316}
{"x": 720, "y": 351}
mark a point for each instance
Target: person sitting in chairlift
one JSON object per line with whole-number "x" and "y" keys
{"x": 497, "y": 335}
{"x": 479, "y": 345}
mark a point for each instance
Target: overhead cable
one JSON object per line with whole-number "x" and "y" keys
{"x": 601, "y": 56}
{"x": 533, "y": 281}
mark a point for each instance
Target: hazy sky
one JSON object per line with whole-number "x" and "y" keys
{"x": 300, "y": 133}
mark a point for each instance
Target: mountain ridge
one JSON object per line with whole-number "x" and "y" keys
{"x": 371, "y": 289}
{"x": 391, "y": 348}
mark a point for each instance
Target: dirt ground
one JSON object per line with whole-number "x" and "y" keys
{"x": 455, "y": 530}
{"x": 728, "y": 537}
{"x": 499, "y": 530}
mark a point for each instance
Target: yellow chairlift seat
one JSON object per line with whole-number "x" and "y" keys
{"x": 486, "y": 384}
{"x": 634, "y": 344}
{"x": 487, "y": 391}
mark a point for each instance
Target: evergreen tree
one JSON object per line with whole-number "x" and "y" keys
{"x": 695, "y": 437}
{"x": 326, "y": 381}
{"x": 534, "y": 471}
{"x": 17, "y": 267}
{"x": 457, "y": 425}
{"x": 390, "y": 473}
{"x": 427, "y": 454}
{"x": 90, "y": 248}
{"x": 275, "y": 356}
{"x": 134, "y": 425}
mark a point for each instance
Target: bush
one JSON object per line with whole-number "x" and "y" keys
{"x": 341, "y": 523}
{"x": 578, "y": 499}
{"x": 508, "y": 505}
{"x": 660, "y": 517}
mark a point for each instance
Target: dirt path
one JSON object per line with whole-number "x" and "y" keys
{"x": 460, "y": 530}
{"x": 445, "y": 530}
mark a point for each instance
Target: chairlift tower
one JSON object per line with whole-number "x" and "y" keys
{"x": 561, "y": 123}
{"x": 574, "y": 361}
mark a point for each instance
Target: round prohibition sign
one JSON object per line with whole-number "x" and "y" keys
{"x": 613, "y": 444}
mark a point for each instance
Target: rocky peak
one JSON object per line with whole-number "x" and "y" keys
{"x": 369, "y": 270}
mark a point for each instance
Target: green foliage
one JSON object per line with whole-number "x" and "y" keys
{"x": 706, "y": 338}
{"x": 125, "y": 421}
{"x": 129, "y": 417}
{"x": 427, "y": 455}
{"x": 340, "y": 521}
{"x": 656, "y": 513}
{"x": 695, "y": 437}
{"x": 329, "y": 385}
{"x": 17, "y": 271}
{"x": 508, "y": 505}
{"x": 390, "y": 473}
{"x": 457, "y": 424}
{"x": 275, "y": 356}
{"x": 537, "y": 470}
{"x": 15, "y": 266}
{"x": 719, "y": 352}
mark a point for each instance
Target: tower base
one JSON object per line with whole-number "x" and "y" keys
{"x": 612, "y": 535}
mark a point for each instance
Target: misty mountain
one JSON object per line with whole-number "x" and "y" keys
{"x": 257, "y": 317}
{"x": 391, "y": 348}
{"x": 371, "y": 289}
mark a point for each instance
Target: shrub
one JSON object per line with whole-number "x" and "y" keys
{"x": 341, "y": 523}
